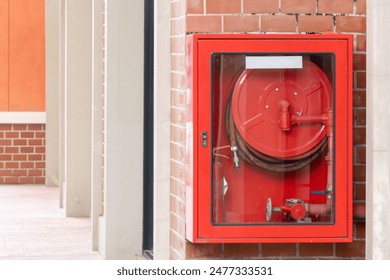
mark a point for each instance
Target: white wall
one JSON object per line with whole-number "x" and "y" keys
{"x": 98, "y": 9}
{"x": 161, "y": 248}
{"x": 124, "y": 130}
{"x": 78, "y": 100}
{"x": 378, "y": 132}
{"x": 53, "y": 78}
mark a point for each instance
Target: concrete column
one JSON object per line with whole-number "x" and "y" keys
{"x": 53, "y": 89}
{"x": 378, "y": 133}
{"x": 97, "y": 117}
{"x": 161, "y": 248}
{"x": 122, "y": 220}
{"x": 78, "y": 107}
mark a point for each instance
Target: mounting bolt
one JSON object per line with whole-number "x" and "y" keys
{"x": 276, "y": 89}
{"x": 295, "y": 93}
{"x": 266, "y": 106}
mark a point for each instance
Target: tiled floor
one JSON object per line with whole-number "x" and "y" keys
{"x": 32, "y": 226}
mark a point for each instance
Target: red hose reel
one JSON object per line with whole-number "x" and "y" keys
{"x": 277, "y": 113}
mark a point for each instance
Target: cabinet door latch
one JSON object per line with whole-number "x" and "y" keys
{"x": 204, "y": 138}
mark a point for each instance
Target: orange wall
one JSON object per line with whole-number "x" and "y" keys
{"x": 22, "y": 55}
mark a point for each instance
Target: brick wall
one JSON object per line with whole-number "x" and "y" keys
{"x": 263, "y": 16}
{"x": 22, "y": 153}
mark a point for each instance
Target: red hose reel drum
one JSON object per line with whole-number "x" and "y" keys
{"x": 257, "y": 99}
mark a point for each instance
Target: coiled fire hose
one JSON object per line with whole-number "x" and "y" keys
{"x": 264, "y": 161}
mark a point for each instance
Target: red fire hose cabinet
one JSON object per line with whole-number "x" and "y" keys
{"x": 269, "y": 133}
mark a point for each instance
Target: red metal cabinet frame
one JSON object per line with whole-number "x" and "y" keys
{"x": 202, "y": 226}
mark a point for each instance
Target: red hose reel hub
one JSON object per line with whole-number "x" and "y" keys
{"x": 257, "y": 101}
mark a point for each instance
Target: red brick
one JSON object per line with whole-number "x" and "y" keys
{"x": 361, "y": 43}
{"x": 178, "y": 207}
{"x": 359, "y": 61}
{"x": 28, "y": 134}
{"x": 335, "y": 7}
{"x": 19, "y": 157}
{"x": 178, "y": 134}
{"x": 360, "y": 79}
{"x": 177, "y": 171}
{"x": 279, "y": 250}
{"x": 35, "y": 142}
{"x": 178, "y": 44}
{"x": 177, "y": 242}
{"x": 360, "y": 230}
{"x": 359, "y": 98}
{"x": 359, "y": 173}
{"x": 12, "y": 134}
{"x": 177, "y": 224}
{"x": 299, "y": 6}
{"x": 11, "y": 180}
{"x": 360, "y": 191}
{"x": 26, "y": 180}
{"x": 360, "y": 116}
{"x": 5, "y": 157}
{"x": 19, "y": 172}
{"x": 11, "y": 150}
{"x": 40, "y": 165}
{"x": 20, "y": 142}
{"x": 26, "y": 150}
{"x": 244, "y": 23}
{"x": 361, "y": 6}
{"x": 34, "y": 157}
{"x": 359, "y": 135}
{"x": 5, "y": 142}
{"x": 5, "y": 172}
{"x": 34, "y": 172}
{"x": 223, "y": 6}
{"x": 178, "y": 8}
{"x": 1, "y": 134}
{"x": 178, "y": 62}
{"x": 239, "y": 251}
{"x": 12, "y": 164}
{"x": 261, "y": 6}
{"x": 177, "y": 80}
{"x": 5, "y": 126}
{"x": 360, "y": 154}
{"x": 178, "y": 189}
{"x": 40, "y": 134}
{"x": 203, "y": 251}
{"x": 316, "y": 250}
{"x": 27, "y": 165}
{"x": 19, "y": 127}
{"x": 315, "y": 23}
{"x": 350, "y": 24}
{"x": 177, "y": 98}
{"x": 35, "y": 127}
{"x": 178, "y": 117}
{"x": 178, "y": 152}
{"x": 40, "y": 150}
{"x": 351, "y": 250}
{"x": 195, "y": 7}
{"x": 39, "y": 180}
{"x": 278, "y": 23}
{"x": 204, "y": 23}
{"x": 174, "y": 255}
{"x": 178, "y": 26}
